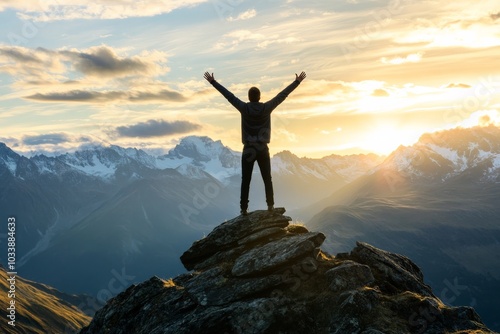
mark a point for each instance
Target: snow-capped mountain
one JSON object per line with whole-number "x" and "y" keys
{"x": 347, "y": 168}
{"x": 104, "y": 161}
{"x": 447, "y": 154}
{"x": 211, "y": 156}
{"x": 8, "y": 158}
{"x": 192, "y": 157}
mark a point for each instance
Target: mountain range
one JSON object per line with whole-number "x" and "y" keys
{"x": 105, "y": 209}
{"x": 437, "y": 202}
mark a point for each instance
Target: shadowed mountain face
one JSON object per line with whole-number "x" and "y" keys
{"x": 138, "y": 230}
{"x": 40, "y": 309}
{"x": 258, "y": 274}
{"x": 437, "y": 203}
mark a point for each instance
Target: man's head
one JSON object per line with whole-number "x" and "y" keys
{"x": 254, "y": 94}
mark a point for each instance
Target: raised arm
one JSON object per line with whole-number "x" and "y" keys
{"x": 236, "y": 102}
{"x": 276, "y": 101}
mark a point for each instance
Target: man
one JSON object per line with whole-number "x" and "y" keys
{"x": 255, "y": 135}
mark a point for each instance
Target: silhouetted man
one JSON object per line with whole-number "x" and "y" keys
{"x": 255, "y": 135}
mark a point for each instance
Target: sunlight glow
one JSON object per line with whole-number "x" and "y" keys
{"x": 482, "y": 118}
{"x": 383, "y": 139}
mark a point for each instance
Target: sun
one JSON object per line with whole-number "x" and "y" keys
{"x": 384, "y": 139}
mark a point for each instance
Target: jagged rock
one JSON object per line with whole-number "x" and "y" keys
{"x": 394, "y": 270}
{"x": 262, "y": 234}
{"x": 256, "y": 275}
{"x": 349, "y": 275}
{"x": 227, "y": 234}
{"x": 212, "y": 288}
{"x": 277, "y": 253}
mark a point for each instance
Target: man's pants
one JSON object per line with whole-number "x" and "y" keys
{"x": 251, "y": 153}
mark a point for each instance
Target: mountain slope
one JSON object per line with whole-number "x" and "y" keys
{"x": 39, "y": 309}
{"x": 436, "y": 202}
{"x": 139, "y": 229}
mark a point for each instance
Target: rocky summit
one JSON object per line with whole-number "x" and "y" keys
{"x": 260, "y": 274}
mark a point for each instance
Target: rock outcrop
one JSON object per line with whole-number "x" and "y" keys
{"x": 260, "y": 274}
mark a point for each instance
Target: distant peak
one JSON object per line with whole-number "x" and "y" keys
{"x": 200, "y": 142}
{"x": 6, "y": 150}
{"x": 285, "y": 153}
{"x": 199, "y": 148}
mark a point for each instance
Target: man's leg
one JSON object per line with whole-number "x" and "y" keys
{"x": 247, "y": 160}
{"x": 264, "y": 162}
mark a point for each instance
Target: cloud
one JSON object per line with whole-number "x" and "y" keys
{"x": 458, "y": 85}
{"x": 77, "y": 96}
{"x": 20, "y": 5}
{"x": 285, "y": 134}
{"x": 380, "y": 92}
{"x": 411, "y": 58}
{"x": 18, "y": 54}
{"x": 234, "y": 38}
{"x": 29, "y": 64}
{"x": 10, "y": 141}
{"x": 482, "y": 118}
{"x": 244, "y": 16}
{"x": 99, "y": 62}
{"x": 162, "y": 95}
{"x": 46, "y": 139}
{"x": 108, "y": 96}
{"x": 473, "y": 31}
{"x": 156, "y": 128}
{"x": 99, "y": 9}
{"x": 103, "y": 61}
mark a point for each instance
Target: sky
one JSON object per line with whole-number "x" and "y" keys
{"x": 130, "y": 73}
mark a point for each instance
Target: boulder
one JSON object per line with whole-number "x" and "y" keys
{"x": 227, "y": 234}
{"x": 277, "y": 254}
{"x": 349, "y": 275}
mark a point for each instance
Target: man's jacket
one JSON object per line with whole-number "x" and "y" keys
{"x": 255, "y": 116}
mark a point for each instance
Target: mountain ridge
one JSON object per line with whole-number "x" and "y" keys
{"x": 437, "y": 206}
{"x": 199, "y": 151}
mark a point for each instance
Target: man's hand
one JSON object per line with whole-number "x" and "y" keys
{"x": 300, "y": 77}
{"x": 210, "y": 77}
